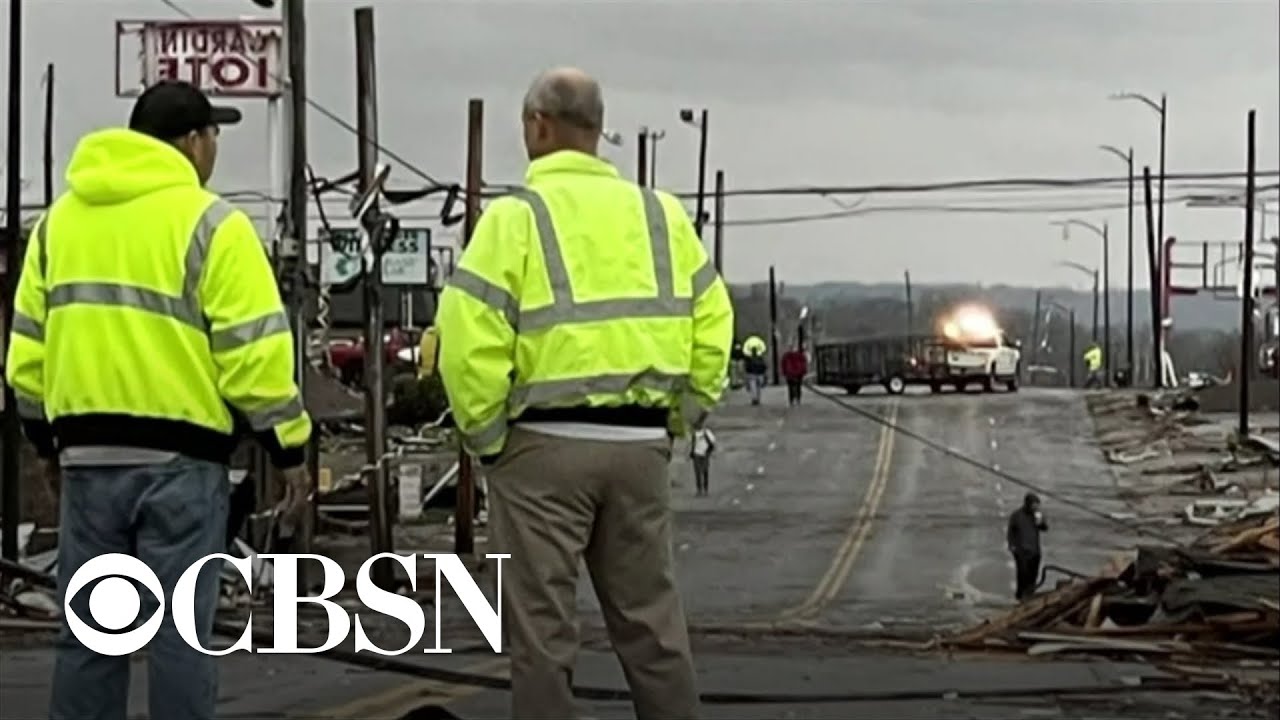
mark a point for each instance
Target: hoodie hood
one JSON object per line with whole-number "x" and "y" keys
{"x": 115, "y": 166}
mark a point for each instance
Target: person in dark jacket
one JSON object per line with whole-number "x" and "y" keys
{"x": 1025, "y": 525}
{"x": 794, "y": 367}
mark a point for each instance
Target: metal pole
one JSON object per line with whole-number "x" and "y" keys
{"x": 48, "y": 136}
{"x": 906, "y": 280}
{"x": 1035, "y": 331}
{"x": 1094, "y": 337}
{"x": 11, "y": 479}
{"x": 1106, "y": 303}
{"x": 1129, "y": 362}
{"x": 1246, "y": 302}
{"x": 1153, "y": 267}
{"x": 642, "y": 162}
{"x": 719, "y": 227}
{"x": 464, "y": 512}
{"x": 702, "y": 172}
{"x": 1071, "y": 343}
{"x": 1164, "y": 114}
{"x": 773, "y": 322}
{"x": 653, "y": 160}
{"x": 375, "y": 405}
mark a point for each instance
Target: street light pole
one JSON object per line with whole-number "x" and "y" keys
{"x": 1106, "y": 302}
{"x": 686, "y": 116}
{"x": 1127, "y": 157}
{"x": 1162, "y": 108}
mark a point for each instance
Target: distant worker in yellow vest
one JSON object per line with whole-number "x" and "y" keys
{"x": 755, "y": 365}
{"x": 427, "y": 352}
{"x": 148, "y": 330}
{"x": 1093, "y": 364}
{"x": 583, "y": 328}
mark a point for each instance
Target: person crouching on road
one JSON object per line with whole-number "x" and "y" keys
{"x": 576, "y": 427}
{"x": 701, "y": 448}
{"x": 1025, "y": 525}
{"x": 148, "y": 330}
{"x": 794, "y": 367}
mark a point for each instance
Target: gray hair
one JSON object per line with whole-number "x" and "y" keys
{"x": 569, "y": 96}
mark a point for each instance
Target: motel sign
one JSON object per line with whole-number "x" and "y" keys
{"x": 227, "y": 58}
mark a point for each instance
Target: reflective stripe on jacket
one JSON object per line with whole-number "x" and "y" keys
{"x": 583, "y": 291}
{"x": 147, "y": 315}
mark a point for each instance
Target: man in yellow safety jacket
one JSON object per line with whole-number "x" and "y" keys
{"x": 147, "y": 330}
{"x": 583, "y": 328}
{"x": 1093, "y": 364}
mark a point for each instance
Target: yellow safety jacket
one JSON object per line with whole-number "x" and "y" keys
{"x": 1093, "y": 358}
{"x": 582, "y": 299}
{"x": 753, "y": 346}
{"x": 147, "y": 315}
{"x": 427, "y": 352}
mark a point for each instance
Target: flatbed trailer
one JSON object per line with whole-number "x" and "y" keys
{"x": 893, "y": 362}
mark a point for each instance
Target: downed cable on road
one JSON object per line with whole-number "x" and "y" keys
{"x": 1003, "y": 475}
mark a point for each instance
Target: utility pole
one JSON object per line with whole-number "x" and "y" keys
{"x": 1035, "y": 331}
{"x": 292, "y": 257}
{"x": 378, "y": 482}
{"x": 773, "y": 322}
{"x": 14, "y": 256}
{"x": 1153, "y": 266}
{"x": 686, "y": 116}
{"x": 48, "y": 136}
{"x": 1164, "y": 118}
{"x": 1094, "y": 337}
{"x": 906, "y": 278}
{"x": 718, "y": 249}
{"x": 1071, "y": 348}
{"x": 642, "y": 161}
{"x": 1106, "y": 304}
{"x": 465, "y": 512}
{"x": 1246, "y": 302}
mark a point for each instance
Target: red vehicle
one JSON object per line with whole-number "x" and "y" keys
{"x": 347, "y": 355}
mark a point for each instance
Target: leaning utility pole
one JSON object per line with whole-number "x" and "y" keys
{"x": 702, "y": 174}
{"x": 773, "y": 322}
{"x": 464, "y": 541}
{"x": 10, "y": 471}
{"x": 375, "y": 393}
{"x": 1035, "y": 331}
{"x": 718, "y": 250}
{"x": 48, "y": 137}
{"x": 1246, "y": 302}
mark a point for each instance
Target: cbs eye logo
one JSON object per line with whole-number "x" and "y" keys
{"x": 114, "y": 604}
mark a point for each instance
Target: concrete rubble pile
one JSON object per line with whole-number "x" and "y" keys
{"x": 1217, "y": 598}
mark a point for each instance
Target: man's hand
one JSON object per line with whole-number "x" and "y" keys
{"x": 297, "y": 498}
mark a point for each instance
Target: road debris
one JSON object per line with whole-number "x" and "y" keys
{"x": 1215, "y": 599}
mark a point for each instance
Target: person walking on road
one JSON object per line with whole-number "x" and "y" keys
{"x": 1093, "y": 364}
{"x": 148, "y": 330}
{"x": 701, "y": 448}
{"x": 1023, "y": 536}
{"x": 794, "y": 367}
{"x": 753, "y": 350}
{"x": 583, "y": 329}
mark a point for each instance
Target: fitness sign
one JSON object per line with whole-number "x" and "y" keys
{"x": 233, "y": 59}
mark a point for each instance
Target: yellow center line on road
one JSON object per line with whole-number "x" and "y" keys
{"x": 396, "y": 701}
{"x": 833, "y": 581}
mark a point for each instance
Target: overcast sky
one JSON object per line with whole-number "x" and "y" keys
{"x": 800, "y": 92}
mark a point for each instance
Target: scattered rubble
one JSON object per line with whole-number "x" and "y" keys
{"x": 1217, "y": 598}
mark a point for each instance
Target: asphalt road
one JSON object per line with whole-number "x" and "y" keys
{"x": 817, "y": 516}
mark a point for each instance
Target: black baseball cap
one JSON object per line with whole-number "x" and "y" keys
{"x": 172, "y": 108}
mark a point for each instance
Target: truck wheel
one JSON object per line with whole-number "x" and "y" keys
{"x": 1013, "y": 381}
{"x": 935, "y": 387}
{"x": 989, "y": 382}
{"x": 895, "y": 385}
{"x": 852, "y": 389}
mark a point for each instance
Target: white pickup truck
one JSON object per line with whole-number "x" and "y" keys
{"x": 987, "y": 361}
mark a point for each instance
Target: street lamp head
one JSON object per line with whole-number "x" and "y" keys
{"x": 265, "y": 4}
{"x": 657, "y": 134}
{"x": 686, "y": 115}
{"x": 612, "y": 137}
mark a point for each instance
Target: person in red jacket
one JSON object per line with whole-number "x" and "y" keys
{"x": 794, "y": 367}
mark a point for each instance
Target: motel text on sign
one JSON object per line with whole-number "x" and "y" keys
{"x": 226, "y": 58}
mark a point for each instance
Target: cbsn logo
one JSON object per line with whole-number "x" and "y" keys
{"x": 115, "y": 603}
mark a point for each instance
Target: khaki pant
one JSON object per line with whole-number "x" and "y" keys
{"x": 553, "y": 500}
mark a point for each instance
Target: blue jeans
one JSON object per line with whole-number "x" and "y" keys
{"x": 169, "y": 516}
{"x": 755, "y": 382}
